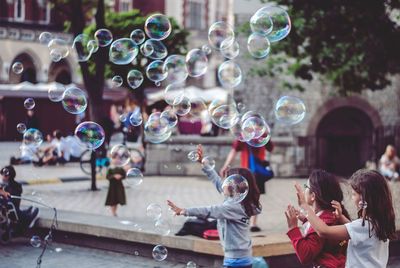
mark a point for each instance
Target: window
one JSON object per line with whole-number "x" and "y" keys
{"x": 19, "y": 10}
{"x": 125, "y": 5}
{"x": 45, "y": 13}
{"x": 196, "y": 15}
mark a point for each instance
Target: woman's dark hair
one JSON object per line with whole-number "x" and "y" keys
{"x": 326, "y": 188}
{"x": 375, "y": 193}
{"x": 11, "y": 172}
{"x": 252, "y": 200}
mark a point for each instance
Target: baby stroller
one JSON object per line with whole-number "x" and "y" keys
{"x": 9, "y": 221}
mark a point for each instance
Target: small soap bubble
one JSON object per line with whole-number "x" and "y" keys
{"x": 17, "y": 67}
{"x": 160, "y": 253}
{"x": 36, "y": 241}
{"x": 21, "y": 128}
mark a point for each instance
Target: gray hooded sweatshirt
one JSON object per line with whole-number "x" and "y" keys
{"x": 232, "y": 222}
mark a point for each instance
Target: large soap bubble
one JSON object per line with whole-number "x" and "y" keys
{"x": 160, "y": 253}
{"x": 157, "y": 26}
{"x": 33, "y": 137}
{"x": 290, "y": 110}
{"x": 162, "y": 227}
{"x": 74, "y": 100}
{"x": 138, "y": 36}
{"x": 253, "y": 125}
{"x": 120, "y": 155}
{"x": 220, "y": 32}
{"x": 123, "y": 51}
{"x": 169, "y": 117}
{"x": 196, "y": 62}
{"x": 230, "y": 51}
{"x": 60, "y": 46}
{"x": 225, "y": 116}
{"x": 90, "y": 134}
{"x": 158, "y": 50}
{"x": 235, "y": 188}
{"x": 262, "y": 140}
{"x": 258, "y": 45}
{"x": 134, "y": 177}
{"x": 280, "y": 21}
{"x": 261, "y": 22}
{"x": 174, "y": 93}
{"x": 229, "y": 74}
{"x": 134, "y": 78}
{"x": 104, "y": 37}
{"x": 182, "y": 105}
{"x": 155, "y": 71}
{"x": 154, "y": 211}
{"x": 175, "y": 65}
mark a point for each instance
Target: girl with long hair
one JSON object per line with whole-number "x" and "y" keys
{"x": 369, "y": 234}
{"x": 233, "y": 218}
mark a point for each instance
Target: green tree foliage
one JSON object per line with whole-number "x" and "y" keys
{"x": 353, "y": 44}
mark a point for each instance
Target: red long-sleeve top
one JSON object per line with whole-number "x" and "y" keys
{"x": 316, "y": 250}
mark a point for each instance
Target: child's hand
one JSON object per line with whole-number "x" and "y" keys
{"x": 178, "y": 211}
{"x": 118, "y": 176}
{"x": 300, "y": 194}
{"x": 300, "y": 215}
{"x": 338, "y": 209}
{"x": 200, "y": 152}
{"x": 291, "y": 217}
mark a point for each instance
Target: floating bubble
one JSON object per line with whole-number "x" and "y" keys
{"x": 136, "y": 118}
{"x": 156, "y": 126}
{"x": 229, "y": 74}
{"x": 134, "y": 177}
{"x": 56, "y": 92}
{"x": 155, "y": 71}
{"x": 237, "y": 132}
{"x": 160, "y": 253}
{"x": 45, "y": 38}
{"x": 261, "y": 22}
{"x": 262, "y": 140}
{"x": 208, "y": 163}
{"x": 60, "y": 46}
{"x": 136, "y": 253}
{"x": 120, "y": 155}
{"x": 117, "y": 81}
{"x": 93, "y": 46}
{"x": 104, "y": 37}
{"x": 153, "y": 138}
{"x": 178, "y": 167}
{"x": 146, "y": 49}
{"x": 33, "y": 137}
{"x": 74, "y": 100}
{"x": 175, "y": 65}
{"x": 206, "y": 49}
{"x": 48, "y": 238}
{"x": 290, "y": 110}
{"x": 225, "y": 116}
{"x": 134, "y": 78}
{"x": 196, "y": 62}
{"x": 81, "y": 45}
{"x": 123, "y": 51}
{"x": 253, "y": 125}
{"x": 5, "y": 172}
{"x": 193, "y": 156}
{"x": 138, "y": 36}
{"x": 230, "y": 51}
{"x": 55, "y": 55}
{"x": 159, "y": 51}
{"x": 21, "y": 128}
{"x": 174, "y": 93}
{"x": 214, "y": 104}
{"x": 158, "y": 26}
{"x": 29, "y": 103}
{"x": 123, "y": 117}
{"x": 162, "y": 227}
{"x": 235, "y": 188}
{"x": 218, "y": 33}
{"x": 154, "y": 211}
{"x": 191, "y": 264}
{"x": 90, "y": 134}
{"x": 281, "y": 23}
{"x": 183, "y": 106}
{"x": 169, "y": 117}
{"x": 258, "y": 45}
{"x": 198, "y": 107}
{"x": 36, "y": 241}
{"x": 17, "y": 67}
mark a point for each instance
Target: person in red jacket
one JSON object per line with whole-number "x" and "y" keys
{"x": 321, "y": 189}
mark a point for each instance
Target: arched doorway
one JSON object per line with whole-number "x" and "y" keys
{"x": 60, "y": 72}
{"x": 29, "y": 72}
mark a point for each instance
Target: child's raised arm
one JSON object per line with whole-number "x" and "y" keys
{"x": 211, "y": 174}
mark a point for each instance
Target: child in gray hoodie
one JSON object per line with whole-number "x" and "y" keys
{"x": 233, "y": 218}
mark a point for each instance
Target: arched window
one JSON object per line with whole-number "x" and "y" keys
{"x": 64, "y": 77}
{"x": 19, "y": 10}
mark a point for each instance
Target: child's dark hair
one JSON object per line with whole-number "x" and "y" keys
{"x": 326, "y": 188}
{"x": 252, "y": 200}
{"x": 376, "y": 195}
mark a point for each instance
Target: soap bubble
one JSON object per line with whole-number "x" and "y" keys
{"x": 123, "y": 117}
{"x": 154, "y": 211}
{"x": 280, "y": 21}
{"x": 159, "y": 51}
{"x": 29, "y": 103}
{"x": 229, "y": 74}
{"x": 120, "y": 155}
{"x": 5, "y": 172}
{"x": 36, "y": 241}
{"x": 134, "y": 177}
{"x": 59, "y": 45}
{"x": 196, "y": 62}
{"x": 45, "y": 38}
{"x": 206, "y": 49}
{"x": 238, "y": 133}
{"x": 169, "y": 117}
{"x": 33, "y": 137}
{"x": 262, "y": 140}
{"x": 175, "y": 65}
{"x": 136, "y": 118}
{"x": 123, "y": 51}
{"x": 258, "y": 45}
{"x": 117, "y": 81}
{"x": 155, "y": 71}
{"x": 136, "y": 253}
{"x": 21, "y": 128}
{"x": 208, "y": 163}
{"x": 193, "y": 156}
{"x": 162, "y": 227}
{"x": 155, "y": 125}
{"x": 261, "y": 22}
{"x": 74, "y": 100}
{"x": 56, "y": 92}
{"x": 218, "y": 33}
{"x": 174, "y": 93}
{"x": 183, "y": 106}
{"x": 81, "y": 45}
{"x": 93, "y": 46}
{"x": 214, "y": 105}
{"x": 134, "y": 78}
{"x": 160, "y": 253}
{"x": 157, "y": 26}
{"x": 290, "y": 110}
{"x": 55, "y": 55}
{"x": 230, "y": 51}
{"x": 17, "y": 67}
{"x": 156, "y": 138}
{"x": 253, "y": 125}
{"x": 104, "y": 37}
{"x": 235, "y": 188}
{"x": 191, "y": 264}
{"x": 225, "y": 116}
{"x": 138, "y": 36}
{"x": 146, "y": 49}
{"x": 90, "y": 134}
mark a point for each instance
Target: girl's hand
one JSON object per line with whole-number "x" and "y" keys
{"x": 178, "y": 211}
{"x": 338, "y": 209}
{"x": 200, "y": 152}
{"x": 118, "y": 176}
{"x": 300, "y": 194}
{"x": 300, "y": 215}
{"x": 4, "y": 193}
{"x": 291, "y": 217}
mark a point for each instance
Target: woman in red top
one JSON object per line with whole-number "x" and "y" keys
{"x": 320, "y": 191}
